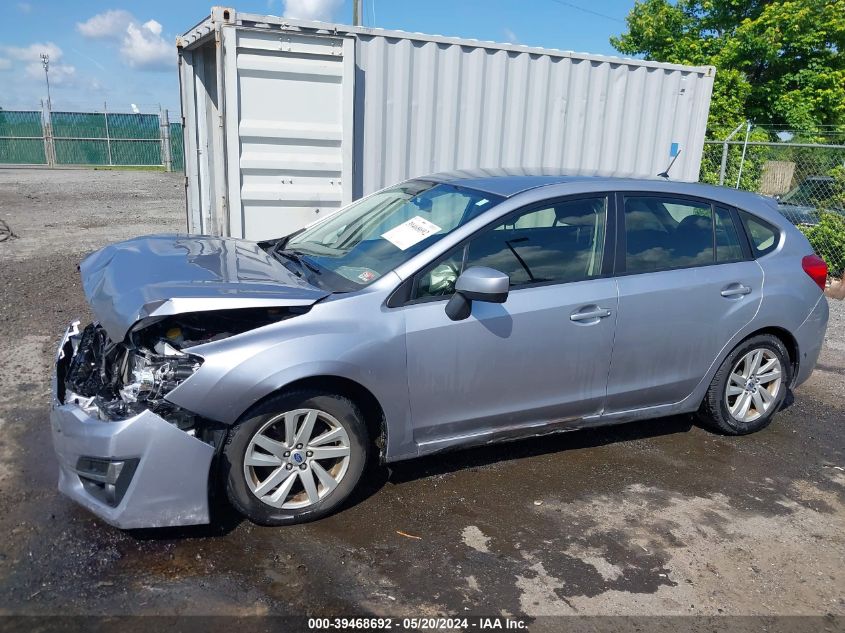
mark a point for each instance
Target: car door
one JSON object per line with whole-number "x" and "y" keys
{"x": 687, "y": 285}
{"x": 541, "y": 356}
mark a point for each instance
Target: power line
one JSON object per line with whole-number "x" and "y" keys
{"x": 590, "y": 11}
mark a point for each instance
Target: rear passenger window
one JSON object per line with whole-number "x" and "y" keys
{"x": 762, "y": 235}
{"x": 663, "y": 233}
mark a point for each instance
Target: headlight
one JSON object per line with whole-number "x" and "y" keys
{"x": 153, "y": 376}
{"x": 115, "y": 381}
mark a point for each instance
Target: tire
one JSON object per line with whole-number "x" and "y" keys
{"x": 266, "y": 472}
{"x": 723, "y": 412}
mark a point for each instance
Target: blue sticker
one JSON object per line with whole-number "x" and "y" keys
{"x": 674, "y": 150}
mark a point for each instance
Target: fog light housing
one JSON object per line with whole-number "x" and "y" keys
{"x": 106, "y": 479}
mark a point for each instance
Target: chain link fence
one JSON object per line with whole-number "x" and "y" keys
{"x": 90, "y": 138}
{"x": 804, "y": 171}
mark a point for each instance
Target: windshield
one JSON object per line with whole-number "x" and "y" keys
{"x": 369, "y": 238}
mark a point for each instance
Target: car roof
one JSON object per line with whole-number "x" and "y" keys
{"x": 502, "y": 181}
{"x": 508, "y": 182}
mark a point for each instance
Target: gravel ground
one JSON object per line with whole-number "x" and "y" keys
{"x": 658, "y": 517}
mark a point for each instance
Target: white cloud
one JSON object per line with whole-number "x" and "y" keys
{"x": 60, "y": 74}
{"x": 510, "y": 36}
{"x": 24, "y": 7}
{"x": 108, "y": 25}
{"x": 144, "y": 47}
{"x": 153, "y": 27}
{"x": 321, "y": 10}
{"x": 32, "y": 53}
{"x": 30, "y": 56}
{"x": 141, "y": 45}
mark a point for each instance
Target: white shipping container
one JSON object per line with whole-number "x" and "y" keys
{"x": 287, "y": 120}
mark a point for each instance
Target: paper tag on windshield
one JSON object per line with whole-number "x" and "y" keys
{"x": 411, "y": 232}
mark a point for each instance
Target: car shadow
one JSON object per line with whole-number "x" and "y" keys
{"x": 224, "y": 518}
{"x": 468, "y": 458}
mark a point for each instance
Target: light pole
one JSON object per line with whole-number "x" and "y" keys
{"x": 45, "y": 61}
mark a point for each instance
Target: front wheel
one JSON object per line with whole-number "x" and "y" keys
{"x": 749, "y": 387}
{"x": 295, "y": 457}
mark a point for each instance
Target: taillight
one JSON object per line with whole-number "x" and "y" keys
{"x": 814, "y": 266}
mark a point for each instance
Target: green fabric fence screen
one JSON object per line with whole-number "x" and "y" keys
{"x": 86, "y": 138}
{"x": 83, "y": 138}
{"x": 21, "y": 138}
{"x": 176, "y": 148}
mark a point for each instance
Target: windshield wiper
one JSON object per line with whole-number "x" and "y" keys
{"x": 299, "y": 259}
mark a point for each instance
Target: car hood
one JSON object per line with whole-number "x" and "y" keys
{"x": 160, "y": 275}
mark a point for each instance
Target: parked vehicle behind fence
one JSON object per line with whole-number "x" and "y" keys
{"x": 442, "y": 312}
{"x": 804, "y": 203}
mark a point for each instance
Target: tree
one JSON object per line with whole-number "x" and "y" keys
{"x": 778, "y": 62}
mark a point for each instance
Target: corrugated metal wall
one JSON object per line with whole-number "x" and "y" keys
{"x": 411, "y": 104}
{"x": 428, "y": 106}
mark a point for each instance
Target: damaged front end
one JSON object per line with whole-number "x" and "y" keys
{"x": 125, "y": 452}
{"x": 114, "y": 381}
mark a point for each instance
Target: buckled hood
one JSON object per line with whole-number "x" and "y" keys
{"x": 162, "y": 275}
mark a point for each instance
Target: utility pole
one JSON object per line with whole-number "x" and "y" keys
{"x": 45, "y": 61}
{"x": 357, "y": 11}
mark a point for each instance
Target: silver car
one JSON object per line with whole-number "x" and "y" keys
{"x": 442, "y": 312}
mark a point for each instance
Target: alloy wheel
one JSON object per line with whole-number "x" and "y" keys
{"x": 753, "y": 385}
{"x": 297, "y": 458}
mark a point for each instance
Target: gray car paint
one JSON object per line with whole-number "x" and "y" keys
{"x": 170, "y": 486}
{"x": 655, "y": 360}
{"x": 518, "y": 368}
{"x": 160, "y": 275}
{"x": 518, "y": 363}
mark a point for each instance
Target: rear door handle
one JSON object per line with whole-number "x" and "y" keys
{"x": 735, "y": 290}
{"x": 598, "y": 313}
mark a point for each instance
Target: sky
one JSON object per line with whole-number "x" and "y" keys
{"x": 111, "y": 53}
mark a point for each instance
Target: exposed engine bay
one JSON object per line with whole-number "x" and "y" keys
{"x": 115, "y": 381}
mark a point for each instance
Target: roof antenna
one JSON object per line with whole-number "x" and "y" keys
{"x": 665, "y": 173}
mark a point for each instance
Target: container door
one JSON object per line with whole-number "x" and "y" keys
{"x": 203, "y": 141}
{"x": 289, "y": 118}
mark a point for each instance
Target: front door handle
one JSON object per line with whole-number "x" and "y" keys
{"x": 597, "y": 313}
{"x": 735, "y": 290}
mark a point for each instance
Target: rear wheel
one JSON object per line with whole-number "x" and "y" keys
{"x": 295, "y": 457}
{"x": 749, "y": 387}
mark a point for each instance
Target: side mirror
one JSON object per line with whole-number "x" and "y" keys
{"x": 478, "y": 283}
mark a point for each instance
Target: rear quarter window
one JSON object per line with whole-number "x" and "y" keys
{"x": 763, "y": 236}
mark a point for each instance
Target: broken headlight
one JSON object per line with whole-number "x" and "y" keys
{"x": 150, "y": 377}
{"x": 115, "y": 381}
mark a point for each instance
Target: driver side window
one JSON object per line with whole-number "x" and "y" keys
{"x": 560, "y": 243}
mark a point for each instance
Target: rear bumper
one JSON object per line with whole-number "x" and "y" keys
{"x": 810, "y": 337}
{"x": 166, "y": 483}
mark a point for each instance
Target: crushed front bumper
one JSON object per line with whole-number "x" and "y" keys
{"x": 140, "y": 472}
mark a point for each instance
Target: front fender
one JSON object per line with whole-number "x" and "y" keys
{"x": 327, "y": 341}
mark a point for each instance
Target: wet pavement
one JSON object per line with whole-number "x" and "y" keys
{"x": 657, "y": 517}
